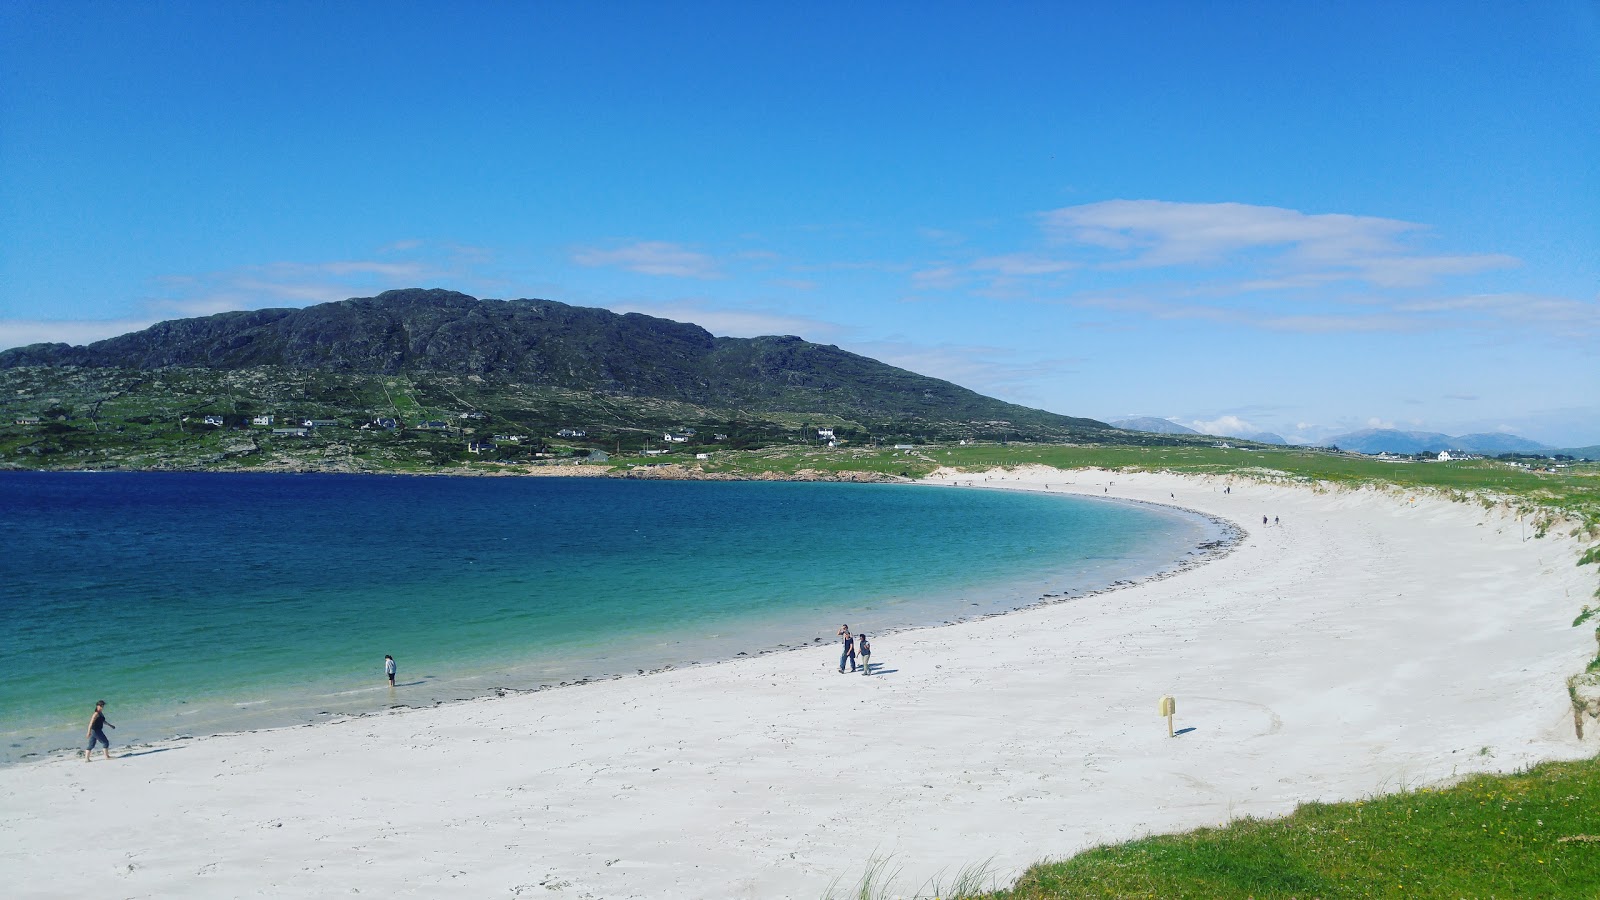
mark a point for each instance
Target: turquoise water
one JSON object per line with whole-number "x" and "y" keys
{"x": 199, "y": 603}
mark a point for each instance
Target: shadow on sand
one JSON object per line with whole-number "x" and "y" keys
{"x": 133, "y": 753}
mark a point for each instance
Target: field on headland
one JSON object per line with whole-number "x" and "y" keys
{"x": 1388, "y": 637}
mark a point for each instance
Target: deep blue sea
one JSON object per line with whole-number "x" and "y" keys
{"x": 201, "y": 603}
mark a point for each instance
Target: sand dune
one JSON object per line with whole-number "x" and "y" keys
{"x": 1370, "y": 642}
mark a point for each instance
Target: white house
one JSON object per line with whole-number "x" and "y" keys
{"x": 265, "y": 421}
{"x": 213, "y": 420}
{"x": 825, "y": 434}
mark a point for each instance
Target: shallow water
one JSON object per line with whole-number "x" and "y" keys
{"x": 199, "y": 603}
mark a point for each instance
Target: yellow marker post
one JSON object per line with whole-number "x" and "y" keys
{"x": 1167, "y": 707}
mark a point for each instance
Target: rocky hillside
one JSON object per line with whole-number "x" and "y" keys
{"x": 550, "y": 345}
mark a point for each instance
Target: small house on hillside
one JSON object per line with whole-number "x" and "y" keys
{"x": 215, "y": 421}
{"x": 27, "y": 420}
{"x": 479, "y": 447}
{"x": 262, "y": 421}
{"x": 291, "y": 432}
{"x": 570, "y": 433}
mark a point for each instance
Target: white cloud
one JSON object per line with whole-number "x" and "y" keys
{"x": 1227, "y": 426}
{"x": 993, "y": 371}
{"x": 939, "y": 278}
{"x": 22, "y": 332}
{"x": 1163, "y": 232}
{"x": 651, "y": 258}
{"x": 1310, "y": 249}
{"x": 277, "y": 284}
{"x": 1014, "y": 264}
{"x": 735, "y": 322}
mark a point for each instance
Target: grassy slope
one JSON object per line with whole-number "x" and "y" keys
{"x": 1534, "y": 834}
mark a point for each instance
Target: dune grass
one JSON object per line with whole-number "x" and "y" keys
{"x": 1530, "y": 834}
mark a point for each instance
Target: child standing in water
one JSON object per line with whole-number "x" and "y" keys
{"x": 865, "y": 649}
{"x": 388, "y": 668}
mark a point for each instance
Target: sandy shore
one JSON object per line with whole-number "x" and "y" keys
{"x": 1371, "y": 641}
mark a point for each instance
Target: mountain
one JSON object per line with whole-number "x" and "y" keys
{"x": 1153, "y": 425}
{"x": 1388, "y": 440}
{"x": 546, "y": 345}
{"x": 1262, "y": 437}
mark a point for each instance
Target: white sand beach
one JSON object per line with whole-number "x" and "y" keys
{"x": 1371, "y": 641}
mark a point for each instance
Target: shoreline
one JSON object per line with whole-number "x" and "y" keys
{"x": 1369, "y": 643}
{"x": 289, "y": 712}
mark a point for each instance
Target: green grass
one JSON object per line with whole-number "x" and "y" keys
{"x": 1532, "y": 834}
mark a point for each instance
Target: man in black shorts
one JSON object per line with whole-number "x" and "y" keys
{"x": 97, "y": 735}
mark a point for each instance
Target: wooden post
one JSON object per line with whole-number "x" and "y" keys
{"x": 1167, "y": 707}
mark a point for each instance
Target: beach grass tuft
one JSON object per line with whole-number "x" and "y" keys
{"x": 878, "y": 881}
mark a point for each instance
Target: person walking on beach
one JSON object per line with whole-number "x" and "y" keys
{"x": 848, "y": 653}
{"x": 865, "y": 649}
{"x": 388, "y": 668}
{"x": 97, "y": 735}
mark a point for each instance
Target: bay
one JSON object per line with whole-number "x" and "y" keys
{"x": 199, "y": 603}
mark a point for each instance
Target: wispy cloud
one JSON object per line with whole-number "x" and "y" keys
{"x": 1158, "y": 233}
{"x": 731, "y": 322}
{"x": 651, "y": 258}
{"x": 1228, "y": 426}
{"x": 1259, "y": 267}
{"x": 276, "y": 284}
{"x": 990, "y": 370}
{"x": 21, "y": 332}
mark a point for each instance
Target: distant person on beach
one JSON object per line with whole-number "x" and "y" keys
{"x": 1263, "y": 520}
{"x": 388, "y": 668}
{"x": 848, "y": 651}
{"x": 865, "y": 649}
{"x": 97, "y": 735}
{"x": 1274, "y": 520}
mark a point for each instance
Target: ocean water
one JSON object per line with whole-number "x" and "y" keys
{"x": 202, "y": 603}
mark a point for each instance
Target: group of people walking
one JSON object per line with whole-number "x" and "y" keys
{"x": 854, "y": 646}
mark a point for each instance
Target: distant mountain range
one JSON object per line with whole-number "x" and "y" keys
{"x": 1167, "y": 426}
{"x": 1152, "y": 425}
{"x": 1389, "y": 440}
{"x": 1385, "y": 440}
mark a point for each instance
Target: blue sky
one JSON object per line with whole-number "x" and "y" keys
{"x": 1302, "y": 218}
